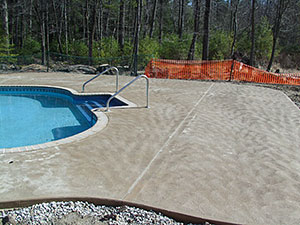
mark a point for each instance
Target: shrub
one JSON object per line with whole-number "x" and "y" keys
{"x": 220, "y": 45}
{"x": 263, "y": 41}
{"x": 30, "y": 47}
{"x": 174, "y": 48}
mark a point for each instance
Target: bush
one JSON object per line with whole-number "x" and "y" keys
{"x": 30, "y": 47}
{"x": 106, "y": 48}
{"x": 263, "y": 41}
{"x": 174, "y": 48}
{"x": 78, "y": 48}
{"x": 220, "y": 45}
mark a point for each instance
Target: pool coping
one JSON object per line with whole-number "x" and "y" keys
{"x": 101, "y": 123}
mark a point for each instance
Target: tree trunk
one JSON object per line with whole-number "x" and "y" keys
{"x": 100, "y": 13}
{"x": 252, "y": 33}
{"x": 30, "y": 16}
{"x": 43, "y": 31}
{"x": 47, "y": 33}
{"x": 121, "y": 25}
{"x": 106, "y": 17}
{"x": 181, "y": 18}
{"x": 5, "y": 25}
{"x": 66, "y": 26}
{"x": 58, "y": 33}
{"x": 92, "y": 31}
{"x": 234, "y": 27}
{"x": 160, "y": 34}
{"x": 196, "y": 29}
{"x": 281, "y": 7}
{"x": 152, "y": 23}
{"x": 136, "y": 37}
{"x": 206, "y": 31}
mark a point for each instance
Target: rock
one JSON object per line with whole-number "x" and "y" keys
{"x": 82, "y": 69}
{"x": 8, "y": 220}
{"x": 34, "y": 68}
{"x": 104, "y": 67}
{"x": 4, "y": 67}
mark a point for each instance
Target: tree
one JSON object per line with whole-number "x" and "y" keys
{"x": 252, "y": 33}
{"x": 121, "y": 25}
{"x": 136, "y": 35}
{"x": 5, "y": 24}
{"x": 281, "y": 6}
{"x": 152, "y": 21}
{"x": 181, "y": 7}
{"x": 234, "y": 27}
{"x": 206, "y": 31}
{"x": 196, "y": 29}
{"x": 161, "y": 8}
{"x": 92, "y": 28}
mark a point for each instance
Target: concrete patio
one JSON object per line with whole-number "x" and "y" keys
{"x": 214, "y": 150}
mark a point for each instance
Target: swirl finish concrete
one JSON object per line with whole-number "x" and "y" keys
{"x": 214, "y": 150}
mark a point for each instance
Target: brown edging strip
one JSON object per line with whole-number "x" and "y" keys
{"x": 180, "y": 217}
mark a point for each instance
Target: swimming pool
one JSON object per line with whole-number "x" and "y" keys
{"x": 33, "y": 115}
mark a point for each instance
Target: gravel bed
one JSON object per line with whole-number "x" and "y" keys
{"x": 78, "y": 213}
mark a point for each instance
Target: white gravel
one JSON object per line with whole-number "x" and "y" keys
{"x": 81, "y": 213}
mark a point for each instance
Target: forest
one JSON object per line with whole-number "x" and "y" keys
{"x": 256, "y": 32}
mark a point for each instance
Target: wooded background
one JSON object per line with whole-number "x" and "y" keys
{"x": 254, "y": 31}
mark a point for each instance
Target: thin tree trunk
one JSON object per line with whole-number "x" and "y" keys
{"x": 86, "y": 16}
{"x": 181, "y": 18}
{"x": 106, "y": 18}
{"x": 121, "y": 25}
{"x": 234, "y": 27}
{"x": 66, "y": 26}
{"x": 206, "y": 31}
{"x": 160, "y": 34}
{"x": 152, "y": 23}
{"x": 47, "y": 33}
{"x": 252, "y": 33}
{"x": 281, "y": 7}
{"x": 5, "y": 25}
{"x": 43, "y": 31}
{"x": 16, "y": 24}
{"x": 100, "y": 20}
{"x": 58, "y": 33}
{"x": 92, "y": 31}
{"x": 21, "y": 34}
{"x": 136, "y": 37}
{"x": 196, "y": 29}
{"x": 30, "y": 16}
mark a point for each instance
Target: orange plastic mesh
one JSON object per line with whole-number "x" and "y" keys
{"x": 215, "y": 70}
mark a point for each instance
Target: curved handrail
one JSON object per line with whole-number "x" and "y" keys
{"x": 128, "y": 84}
{"x": 110, "y": 68}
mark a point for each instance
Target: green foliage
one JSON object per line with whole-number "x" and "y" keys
{"x": 220, "y": 45}
{"x": 150, "y": 47}
{"x": 263, "y": 41}
{"x": 128, "y": 48}
{"x": 78, "y": 48}
{"x": 174, "y": 48}
{"x": 30, "y": 47}
{"x": 106, "y": 48}
{"x": 6, "y": 50}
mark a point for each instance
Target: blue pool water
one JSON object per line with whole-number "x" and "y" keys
{"x": 30, "y": 116}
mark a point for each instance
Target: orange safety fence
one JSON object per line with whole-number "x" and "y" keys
{"x": 215, "y": 70}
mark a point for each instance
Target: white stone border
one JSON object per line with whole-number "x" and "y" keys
{"x": 101, "y": 123}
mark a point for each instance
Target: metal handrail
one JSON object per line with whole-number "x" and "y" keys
{"x": 110, "y": 68}
{"x": 128, "y": 84}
